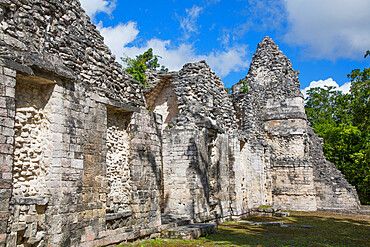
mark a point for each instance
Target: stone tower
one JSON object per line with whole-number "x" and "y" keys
{"x": 271, "y": 111}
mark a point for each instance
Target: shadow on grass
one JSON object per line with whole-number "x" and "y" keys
{"x": 327, "y": 231}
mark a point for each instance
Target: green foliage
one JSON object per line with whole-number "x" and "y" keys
{"x": 343, "y": 121}
{"x": 244, "y": 88}
{"x": 348, "y": 148}
{"x": 265, "y": 206}
{"x": 360, "y": 91}
{"x": 367, "y": 54}
{"x": 326, "y": 105}
{"x": 137, "y": 66}
{"x": 229, "y": 90}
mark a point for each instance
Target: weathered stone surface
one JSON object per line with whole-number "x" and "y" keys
{"x": 188, "y": 232}
{"x": 272, "y": 112}
{"x": 91, "y": 158}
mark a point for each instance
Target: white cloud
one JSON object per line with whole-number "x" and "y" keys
{"x": 189, "y": 23}
{"x": 232, "y": 59}
{"x": 92, "y": 7}
{"x": 119, "y": 36}
{"x": 329, "y": 29}
{"x": 328, "y": 82}
{"x": 223, "y": 62}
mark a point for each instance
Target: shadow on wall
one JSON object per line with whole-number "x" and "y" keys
{"x": 200, "y": 174}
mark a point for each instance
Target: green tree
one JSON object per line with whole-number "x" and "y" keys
{"x": 137, "y": 66}
{"x": 342, "y": 120}
{"x": 360, "y": 91}
{"x": 348, "y": 148}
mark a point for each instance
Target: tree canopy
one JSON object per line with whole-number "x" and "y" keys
{"x": 342, "y": 120}
{"x": 137, "y": 66}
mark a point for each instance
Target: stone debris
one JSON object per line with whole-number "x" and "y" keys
{"x": 91, "y": 158}
{"x": 189, "y": 232}
{"x": 280, "y": 223}
{"x": 281, "y": 214}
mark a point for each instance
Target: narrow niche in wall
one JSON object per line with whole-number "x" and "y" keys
{"x": 32, "y": 158}
{"x": 118, "y": 169}
{"x": 244, "y": 166}
{"x": 213, "y": 171}
{"x": 163, "y": 100}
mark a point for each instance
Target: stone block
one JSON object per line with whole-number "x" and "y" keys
{"x": 9, "y": 81}
{"x": 10, "y": 92}
{"x": 10, "y": 72}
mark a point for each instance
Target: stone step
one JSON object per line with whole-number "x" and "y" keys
{"x": 172, "y": 221}
{"x": 188, "y": 232}
{"x": 174, "y": 224}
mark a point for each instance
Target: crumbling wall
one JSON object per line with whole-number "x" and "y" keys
{"x": 118, "y": 155}
{"x": 58, "y": 36}
{"x": 292, "y": 171}
{"x": 332, "y": 189}
{"x": 32, "y": 161}
{"x": 54, "y": 42}
{"x": 271, "y": 110}
{"x": 83, "y": 162}
{"x": 198, "y": 175}
{"x": 118, "y": 169}
{"x": 32, "y": 139}
{"x": 202, "y": 99}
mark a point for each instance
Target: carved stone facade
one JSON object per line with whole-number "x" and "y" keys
{"x": 91, "y": 158}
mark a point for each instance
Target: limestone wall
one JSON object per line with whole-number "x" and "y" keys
{"x": 292, "y": 173}
{"x": 201, "y": 97}
{"x": 196, "y": 167}
{"x": 63, "y": 164}
{"x": 68, "y": 189}
{"x": 32, "y": 157}
{"x": 272, "y": 112}
{"x": 118, "y": 166}
{"x": 198, "y": 161}
{"x": 7, "y": 115}
{"x": 58, "y": 36}
{"x": 254, "y": 171}
{"x": 90, "y": 158}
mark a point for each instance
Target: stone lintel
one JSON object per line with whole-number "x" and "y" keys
{"x": 119, "y": 215}
{"x": 34, "y": 74}
{"x": 39, "y": 65}
{"x": 39, "y": 200}
{"x": 114, "y": 103}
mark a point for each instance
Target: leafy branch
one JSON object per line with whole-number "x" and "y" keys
{"x": 244, "y": 88}
{"x": 137, "y": 66}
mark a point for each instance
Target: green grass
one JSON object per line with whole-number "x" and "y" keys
{"x": 329, "y": 230}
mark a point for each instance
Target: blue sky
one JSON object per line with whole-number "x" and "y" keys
{"x": 324, "y": 39}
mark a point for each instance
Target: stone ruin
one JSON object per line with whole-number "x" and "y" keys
{"x": 91, "y": 158}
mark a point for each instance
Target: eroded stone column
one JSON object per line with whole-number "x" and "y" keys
{"x": 7, "y": 113}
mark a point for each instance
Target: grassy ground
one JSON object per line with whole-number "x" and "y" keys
{"x": 329, "y": 230}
